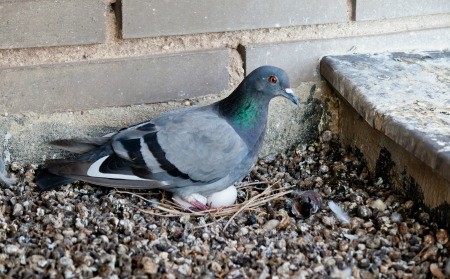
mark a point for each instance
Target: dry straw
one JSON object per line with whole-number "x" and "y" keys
{"x": 253, "y": 200}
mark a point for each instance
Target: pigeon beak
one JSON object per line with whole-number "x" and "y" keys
{"x": 289, "y": 94}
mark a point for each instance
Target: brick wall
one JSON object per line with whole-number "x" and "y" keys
{"x": 84, "y": 54}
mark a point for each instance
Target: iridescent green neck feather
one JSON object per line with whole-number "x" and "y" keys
{"x": 247, "y": 113}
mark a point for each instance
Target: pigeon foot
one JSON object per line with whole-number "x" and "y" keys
{"x": 194, "y": 201}
{"x": 199, "y": 202}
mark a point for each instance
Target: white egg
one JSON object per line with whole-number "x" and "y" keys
{"x": 223, "y": 198}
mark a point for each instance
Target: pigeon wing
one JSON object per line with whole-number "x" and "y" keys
{"x": 182, "y": 148}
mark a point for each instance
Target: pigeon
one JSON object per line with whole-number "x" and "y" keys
{"x": 198, "y": 153}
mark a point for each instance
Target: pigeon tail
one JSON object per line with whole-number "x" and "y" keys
{"x": 91, "y": 149}
{"x": 80, "y": 145}
{"x": 48, "y": 181}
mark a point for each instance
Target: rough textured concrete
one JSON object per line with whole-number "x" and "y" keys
{"x": 289, "y": 125}
{"x": 301, "y": 59}
{"x": 144, "y": 18}
{"x": 375, "y": 9}
{"x": 23, "y": 137}
{"x": 31, "y": 23}
{"x": 403, "y": 95}
{"x": 115, "y": 82}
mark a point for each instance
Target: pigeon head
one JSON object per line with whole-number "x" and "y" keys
{"x": 246, "y": 109}
{"x": 249, "y": 102}
{"x": 270, "y": 82}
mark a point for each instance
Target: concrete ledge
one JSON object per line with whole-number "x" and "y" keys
{"x": 31, "y": 23}
{"x": 150, "y": 18}
{"x": 114, "y": 82}
{"x": 404, "y": 95}
{"x": 301, "y": 59}
{"x": 404, "y": 102}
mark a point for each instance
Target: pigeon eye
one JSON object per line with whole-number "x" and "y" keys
{"x": 273, "y": 79}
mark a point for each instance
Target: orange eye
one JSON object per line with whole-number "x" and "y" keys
{"x": 273, "y": 79}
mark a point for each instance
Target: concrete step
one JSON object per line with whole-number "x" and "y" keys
{"x": 396, "y": 109}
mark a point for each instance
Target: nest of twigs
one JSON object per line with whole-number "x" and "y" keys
{"x": 254, "y": 197}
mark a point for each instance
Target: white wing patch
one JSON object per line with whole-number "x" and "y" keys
{"x": 94, "y": 171}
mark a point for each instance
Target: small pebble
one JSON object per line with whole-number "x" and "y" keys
{"x": 429, "y": 239}
{"x": 396, "y": 217}
{"x": 18, "y": 210}
{"x": 271, "y": 225}
{"x": 215, "y": 267}
{"x": 403, "y": 228}
{"x": 15, "y": 166}
{"x": 206, "y": 236}
{"x": 408, "y": 204}
{"x": 442, "y": 236}
{"x": 12, "y": 250}
{"x": 149, "y": 266}
{"x": 327, "y": 136}
{"x": 244, "y": 231}
{"x": 328, "y": 220}
{"x": 436, "y": 271}
{"x": 364, "y": 212}
{"x": 324, "y": 169}
{"x": 220, "y": 239}
{"x": 364, "y": 263}
{"x": 379, "y": 204}
{"x": 424, "y": 217}
{"x": 65, "y": 262}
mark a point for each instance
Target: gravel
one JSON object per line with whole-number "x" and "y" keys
{"x": 83, "y": 231}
